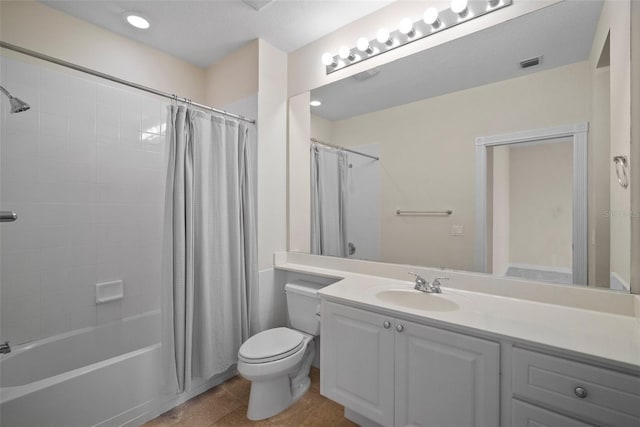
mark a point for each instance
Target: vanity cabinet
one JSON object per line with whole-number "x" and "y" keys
{"x": 565, "y": 387}
{"x": 398, "y": 373}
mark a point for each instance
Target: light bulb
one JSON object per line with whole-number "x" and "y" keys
{"x": 345, "y": 53}
{"x": 459, "y": 7}
{"x": 363, "y": 45}
{"x": 315, "y": 103}
{"x": 137, "y": 21}
{"x": 327, "y": 59}
{"x": 431, "y": 17}
{"x": 383, "y": 36}
{"x": 406, "y": 27}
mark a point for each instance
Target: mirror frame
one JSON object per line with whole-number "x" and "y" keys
{"x": 578, "y": 133}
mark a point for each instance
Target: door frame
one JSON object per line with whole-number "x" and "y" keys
{"x": 578, "y": 133}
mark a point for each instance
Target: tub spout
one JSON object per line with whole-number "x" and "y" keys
{"x": 5, "y": 348}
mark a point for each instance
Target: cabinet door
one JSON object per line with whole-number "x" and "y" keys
{"x": 525, "y": 415}
{"x": 445, "y": 379}
{"x": 356, "y": 363}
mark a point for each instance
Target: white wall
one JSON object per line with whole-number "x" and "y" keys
{"x": 500, "y": 208}
{"x": 272, "y": 153}
{"x": 635, "y": 147}
{"x": 84, "y": 169}
{"x": 233, "y": 77}
{"x": 541, "y": 199}
{"x": 615, "y": 18}
{"x": 299, "y": 174}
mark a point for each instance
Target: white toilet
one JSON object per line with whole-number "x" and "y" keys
{"x": 277, "y": 361}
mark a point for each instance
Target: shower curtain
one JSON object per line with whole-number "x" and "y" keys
{"x": 210, "y": 250}
{"x": 329, "y": 173}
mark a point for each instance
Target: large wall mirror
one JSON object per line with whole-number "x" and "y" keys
{"x": 405, "y": 189}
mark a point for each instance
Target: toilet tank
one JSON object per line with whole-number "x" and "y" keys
{"x": 303, "y": 305}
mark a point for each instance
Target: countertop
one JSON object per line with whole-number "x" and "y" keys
{"x": 600, "y": 335}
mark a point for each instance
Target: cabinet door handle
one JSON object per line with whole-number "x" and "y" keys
{"x": 581, "y": 392}
{"x": 386, "y": 324}
{"x": 399, "y": 327}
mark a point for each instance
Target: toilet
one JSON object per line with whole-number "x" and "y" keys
{"x": 277, "y": 361}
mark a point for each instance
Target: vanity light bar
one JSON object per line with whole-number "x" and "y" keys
{"x": 386, "y": 41}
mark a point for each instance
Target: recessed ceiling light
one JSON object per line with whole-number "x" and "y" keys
{"x": 137, "y": 21}
{"x": 315, "y": 103}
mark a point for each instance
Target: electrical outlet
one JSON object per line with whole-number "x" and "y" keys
{"x": 457, "y": 230}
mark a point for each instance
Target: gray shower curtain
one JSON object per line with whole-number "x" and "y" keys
{"x": 210, "y": 251}
{"x": 329, "y": 173}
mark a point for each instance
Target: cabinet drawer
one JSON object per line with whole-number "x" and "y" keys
{"x": 609, "y": 397}
{"x": 525, "y": 415}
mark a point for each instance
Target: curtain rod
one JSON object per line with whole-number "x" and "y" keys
{"x": 317, "y": 141}
{"x": 118, "y": 80}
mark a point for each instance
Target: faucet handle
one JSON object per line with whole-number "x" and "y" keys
{"x": 436, "y": 281}
{"x": 419, "y": 279}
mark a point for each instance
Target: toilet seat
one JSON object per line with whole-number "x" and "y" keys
{"x": 271, "y": 345}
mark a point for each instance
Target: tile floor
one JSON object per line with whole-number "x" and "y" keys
{"x": 226, "y": 405}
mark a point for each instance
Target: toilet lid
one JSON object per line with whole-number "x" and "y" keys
{"x": 270, "y": 345}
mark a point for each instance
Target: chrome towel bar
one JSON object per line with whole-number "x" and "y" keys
{"x": 442, "y": 213}
{"x": 8, "y": 216}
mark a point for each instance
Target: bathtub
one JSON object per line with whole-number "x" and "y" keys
{"x": 107, "y": 375}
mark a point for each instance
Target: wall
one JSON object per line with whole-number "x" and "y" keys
{"x": 299, "y": 174}
{"x": 635, "y": 146}
{"x": 615, "y": 20}
{"x": 272, "y": 179}
{"x": 499, "y": 211}
{"x": 233, "y": 77}
{"x": 321, "y": 128}
{"x": 32, "y": 25}
{"x": 84, "y": 169}
{"x": 541, "y": 199}
{"x": 410, "y": 135}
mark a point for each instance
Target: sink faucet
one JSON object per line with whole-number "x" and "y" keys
{"x": 423, "y": 285}
{"x": 5, "y": 348}
{"x": 436, "y": 283}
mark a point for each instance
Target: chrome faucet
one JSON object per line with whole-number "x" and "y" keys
{"x": 436, "y": 283}
{"x": 5, "y": 348}
{"x": 423, "y": 285}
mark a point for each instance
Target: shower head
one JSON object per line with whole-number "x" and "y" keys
{"x": 17, "y": 104}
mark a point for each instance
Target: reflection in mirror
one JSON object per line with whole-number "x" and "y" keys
{"x": 532, "y": 192}
{"x": 422, "y": 114}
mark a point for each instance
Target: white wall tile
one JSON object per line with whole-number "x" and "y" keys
{"x": 89, "y": 190}
{"x": 109, "y": 312}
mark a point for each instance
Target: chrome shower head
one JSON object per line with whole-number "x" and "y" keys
{"x": 17, "y": 104}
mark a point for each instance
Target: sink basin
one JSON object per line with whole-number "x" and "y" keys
{"x": 417, "y": 300}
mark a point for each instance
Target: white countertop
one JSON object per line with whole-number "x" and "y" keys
{"x": 603, "y": 335}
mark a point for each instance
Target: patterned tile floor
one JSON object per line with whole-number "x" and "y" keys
{"x": 226, "y": 405}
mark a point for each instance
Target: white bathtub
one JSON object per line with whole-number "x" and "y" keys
{"x": 107, "y": 375}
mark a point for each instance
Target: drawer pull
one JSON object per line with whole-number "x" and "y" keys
{"x": 386, "y": 324}
{"x": 400, "y": 328}
{"x": 581, "y": 392}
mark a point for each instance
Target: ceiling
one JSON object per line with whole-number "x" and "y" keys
{"x": 561, "y": 33}
{"x": 202, "y": 32}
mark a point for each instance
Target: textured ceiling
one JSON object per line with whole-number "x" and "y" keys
{"x": 562, "y": 33}
{"x": 202, "y": 32}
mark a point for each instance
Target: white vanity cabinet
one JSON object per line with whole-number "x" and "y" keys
{"x": 556, "y": 388}
{"x": 399, "y": 373}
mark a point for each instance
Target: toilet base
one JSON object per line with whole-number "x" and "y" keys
{"x": 267, "y": 398}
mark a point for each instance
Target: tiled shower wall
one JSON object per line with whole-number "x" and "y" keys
{"x": 85, "y": 171}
